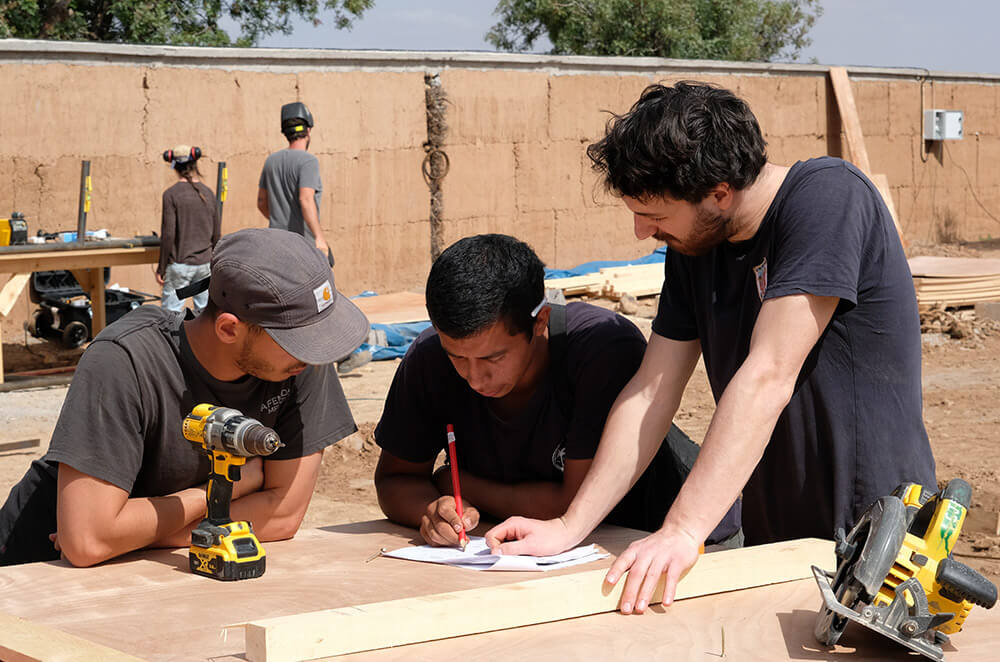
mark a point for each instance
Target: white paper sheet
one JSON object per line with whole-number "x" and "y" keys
{"x": 477, "y": 557}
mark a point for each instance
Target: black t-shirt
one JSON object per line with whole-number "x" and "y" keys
{"x": 603, "y": 351}
{"x": 121, "y": 420}
{"x": 854, "y": 429}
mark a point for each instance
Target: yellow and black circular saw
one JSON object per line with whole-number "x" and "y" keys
{"x": 896, "y": 574}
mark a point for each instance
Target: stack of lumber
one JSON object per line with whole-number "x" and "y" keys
{"x": 955, "y": 281}
{"x": 637, "y": 280}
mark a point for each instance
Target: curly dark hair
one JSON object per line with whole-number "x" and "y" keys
{"x": 682, "y": 141}
{"x": 480, "y": 280}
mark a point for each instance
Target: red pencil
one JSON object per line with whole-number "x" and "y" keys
{"x": 463, "y": 538}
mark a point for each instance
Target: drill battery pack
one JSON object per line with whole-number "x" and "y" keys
{"x": 226, "y": 552}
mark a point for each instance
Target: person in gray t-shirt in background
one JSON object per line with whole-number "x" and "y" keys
{"x": 290, "y": 185}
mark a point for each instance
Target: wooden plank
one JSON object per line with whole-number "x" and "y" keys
{"x": 7, "y": 446}
{"x": 881, "y": 182}
{"x": 395, "y": 308}
{"x": 364, "y": 626}
{"x": 849, "y": 118}
{"x": 22, "y": 641}
{"x": 765, "y": 624}
{"x": 11, "y": 291}
{"x": 77, "y": 259}
{"x": 635, "y": 271}
{"x": 945, "y": 267}
{"x": 856, "y": 140}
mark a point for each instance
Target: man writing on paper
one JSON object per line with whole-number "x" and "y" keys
{"x": 793, "y": 285}
{"x": 119, "y": 475}
{"x": 527, "y": 386}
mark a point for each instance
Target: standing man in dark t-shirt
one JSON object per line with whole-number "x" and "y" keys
{"x": 119, "y": 475}
{"x": 793, "y": 285}
{"x": 527, "y": 386}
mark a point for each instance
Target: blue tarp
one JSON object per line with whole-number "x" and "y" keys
{"x": 399, "y": 336}
{"x": 397, "y": 339}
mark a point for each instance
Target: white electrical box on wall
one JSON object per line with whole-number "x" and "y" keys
{"x": 943, "y": 124}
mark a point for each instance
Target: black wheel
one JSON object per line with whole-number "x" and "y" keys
{"x": 75, "y": 334}
{"x": 40, "y": 323}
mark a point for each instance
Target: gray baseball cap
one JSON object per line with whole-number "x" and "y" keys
{"x": 279, "y": 281}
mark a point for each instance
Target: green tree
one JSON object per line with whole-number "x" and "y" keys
{"x": 179, "y": 22}
{"x": 741, "y": 30}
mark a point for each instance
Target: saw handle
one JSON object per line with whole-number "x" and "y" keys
{"x": 960, "y": 582}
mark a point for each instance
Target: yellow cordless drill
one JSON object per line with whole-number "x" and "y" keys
{"x": 221, "y": 548}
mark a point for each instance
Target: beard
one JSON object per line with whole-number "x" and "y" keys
{"x": 708, "y": 232}
{"x": 250, "y": 364}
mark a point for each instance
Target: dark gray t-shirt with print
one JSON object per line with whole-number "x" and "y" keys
{"x": 121, "y": 420}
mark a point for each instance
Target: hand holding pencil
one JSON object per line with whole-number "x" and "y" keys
{"x": 447, "y": 519}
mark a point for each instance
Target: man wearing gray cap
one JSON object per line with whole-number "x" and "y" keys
{"x": 120, "y": 476}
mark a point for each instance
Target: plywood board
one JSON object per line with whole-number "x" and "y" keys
{"x": 22, "y": 641}
{"x": 149, "y": 605}
{"x": 947, "y": 267}
{"x": 363, "y": 627}
{"x": 395, "y": 308}
{"x": 955, "y": 281}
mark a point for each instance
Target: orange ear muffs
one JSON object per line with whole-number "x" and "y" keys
{"x": 168, "y": 155}
{"x": 195, "y": 153}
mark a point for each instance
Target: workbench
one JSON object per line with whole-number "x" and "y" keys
{"x": 87, "y": 266}
{"x": 149, "y": 605}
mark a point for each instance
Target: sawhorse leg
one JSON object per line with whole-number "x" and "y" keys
{"x": 92, "y": 282}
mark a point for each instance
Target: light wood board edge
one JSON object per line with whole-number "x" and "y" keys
{"x": 11, "y": 291}
{"x": 849, "y": 118}
{"x": 411, "y": 620}
{"x": 881, "y": 182}
{"x": 24, "y": 641}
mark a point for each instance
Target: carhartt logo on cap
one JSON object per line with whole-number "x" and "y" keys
{"x": 324, "y": 296}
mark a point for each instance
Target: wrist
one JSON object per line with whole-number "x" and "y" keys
{"x": 675, "y": 525}
{"x": 574, "y": 529}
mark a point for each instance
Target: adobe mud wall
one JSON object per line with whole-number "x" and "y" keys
{"x": 516, "y": 130}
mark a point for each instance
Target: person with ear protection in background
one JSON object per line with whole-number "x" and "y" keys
{"x": 190, "y": 227}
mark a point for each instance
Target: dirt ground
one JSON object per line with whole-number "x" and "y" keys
{"x": 961, "y": 384}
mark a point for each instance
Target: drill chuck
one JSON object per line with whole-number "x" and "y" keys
{"x": 256, "y": 440}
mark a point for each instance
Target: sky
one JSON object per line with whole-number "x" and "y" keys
{"x": 952, "y": 35}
